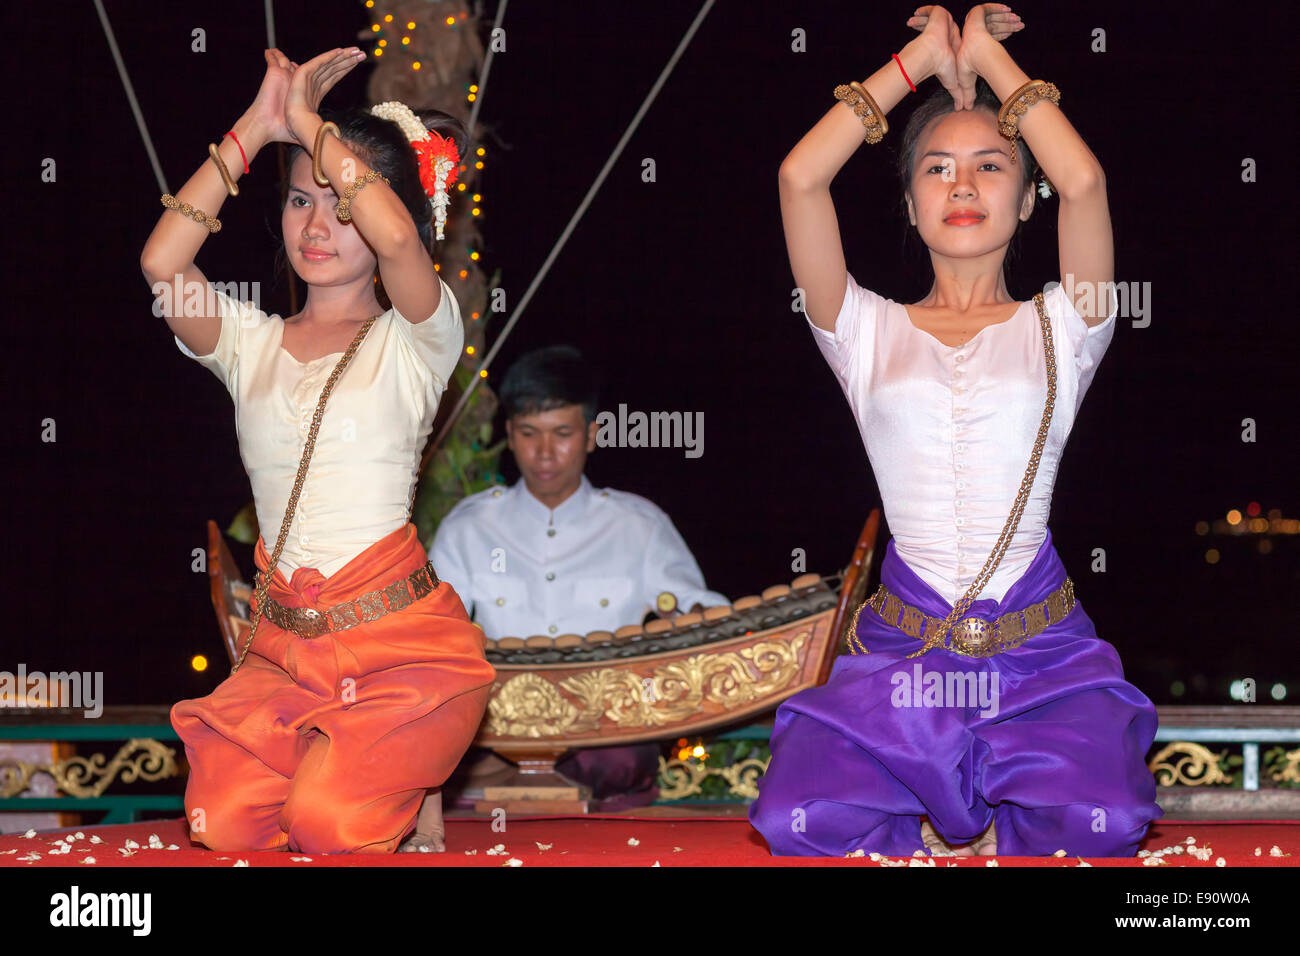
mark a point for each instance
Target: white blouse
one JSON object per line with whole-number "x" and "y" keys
{"x": 949, "y": 429}
{"x": 364, "y": 467}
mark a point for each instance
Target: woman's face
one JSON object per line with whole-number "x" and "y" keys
{"x": 310, "y": 226}
{"x": 963, "y": 164}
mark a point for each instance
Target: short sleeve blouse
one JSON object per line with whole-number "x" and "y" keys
{"x": 949, "y": 429}
{"x": 364, "y": 467}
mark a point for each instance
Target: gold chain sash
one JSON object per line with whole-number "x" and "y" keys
{"x": 942, "y": 631}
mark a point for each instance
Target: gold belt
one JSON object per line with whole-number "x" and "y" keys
{"x": 973, "y": 636}
{"x": 308, "y": 622}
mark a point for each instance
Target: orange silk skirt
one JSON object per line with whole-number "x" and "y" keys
{"x": 328, "y": 745}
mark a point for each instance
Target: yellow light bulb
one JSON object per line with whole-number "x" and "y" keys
{"x": 374, "y": 27}
{"x": 474, "y": 256}
{"x": 415, "y": 65}
{"x": 475, "y": 212}
{"x": 388, "y": 18}
{"x": 405, "y": 40}
{"x": 199, "y": 662}
{"x": 469, "y": 350}
{"x": 482, "y": 373}
{"x": 379, "y": 53}
{"x": 383, "y": 43}
{"x": 481, "y": 151}
{"x": 410, "y": 24}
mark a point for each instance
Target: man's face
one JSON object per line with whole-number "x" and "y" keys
{"x": 551, "y": 448}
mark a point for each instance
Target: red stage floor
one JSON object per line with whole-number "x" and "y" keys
{"x": 614, "y": 840}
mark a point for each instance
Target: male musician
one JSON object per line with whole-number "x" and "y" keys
{"x": 553, "y": 555}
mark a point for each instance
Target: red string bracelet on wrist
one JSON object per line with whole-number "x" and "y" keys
{"x": 905, "y": 76}
{"x": 231, "y": 134}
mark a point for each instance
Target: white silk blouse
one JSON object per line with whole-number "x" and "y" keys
{"x": 364, "y": 467}
{"x": 949, "y": 429}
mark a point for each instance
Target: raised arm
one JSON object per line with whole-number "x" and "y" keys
{"x": 175, "y": 241}
{"x": 405, "y": 266}
{"x": 812, "y": 232}
{"x": 1086, "y": 245}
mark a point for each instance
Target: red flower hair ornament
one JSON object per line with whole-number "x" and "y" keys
{"x": 436, "y": 156}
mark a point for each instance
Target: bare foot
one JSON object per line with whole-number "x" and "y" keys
{"x": 987, "y": 844}
{"x": 938, "y": 846}
{"x": 428, "y": 836}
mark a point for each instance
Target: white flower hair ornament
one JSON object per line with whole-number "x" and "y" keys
{"x": 1044, "y": 185}
{"x": 437, "y": 157}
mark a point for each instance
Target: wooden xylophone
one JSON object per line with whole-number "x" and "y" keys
{"x": 666, "y": 679}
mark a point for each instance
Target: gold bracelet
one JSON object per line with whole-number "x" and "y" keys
{"x": 185, "y": 209}
{"x": 221, "y": 167}
{"x": 344, "y": 211}
{"x": 316, "y": 172}
{"x": 1018, "y": 104}
{"x": 855, "y": 96}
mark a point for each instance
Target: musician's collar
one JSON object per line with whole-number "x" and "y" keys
{"x": 568, "y": 510}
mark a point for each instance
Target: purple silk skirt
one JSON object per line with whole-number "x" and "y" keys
{"x": 1046, "y": 740}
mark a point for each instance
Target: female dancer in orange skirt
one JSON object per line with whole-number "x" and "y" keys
{"x": 363, "y": 681}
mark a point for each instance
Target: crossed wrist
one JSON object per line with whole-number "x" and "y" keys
{"x": 304, "y": 128}
{"x": 251, "y": 135}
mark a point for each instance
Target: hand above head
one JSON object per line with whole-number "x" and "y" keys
{"x": 938, "y": 30}
{"x": 985, "y": 23}
{"x": 267, "y": 111}
{"x": 308, "y": 87}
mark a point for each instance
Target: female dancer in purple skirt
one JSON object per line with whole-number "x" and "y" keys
{"x": 1014, "y": 731}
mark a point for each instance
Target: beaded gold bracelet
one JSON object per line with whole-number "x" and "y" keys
{"x": 855, "y": 96}
{"x": 344, "y": 212}
{"x": 185, "y": 209}
{"x": 1018, "y": 104}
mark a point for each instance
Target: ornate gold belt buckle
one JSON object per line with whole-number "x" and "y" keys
{"x": 308, "y": 623}
{"x": 972, "y": 636}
